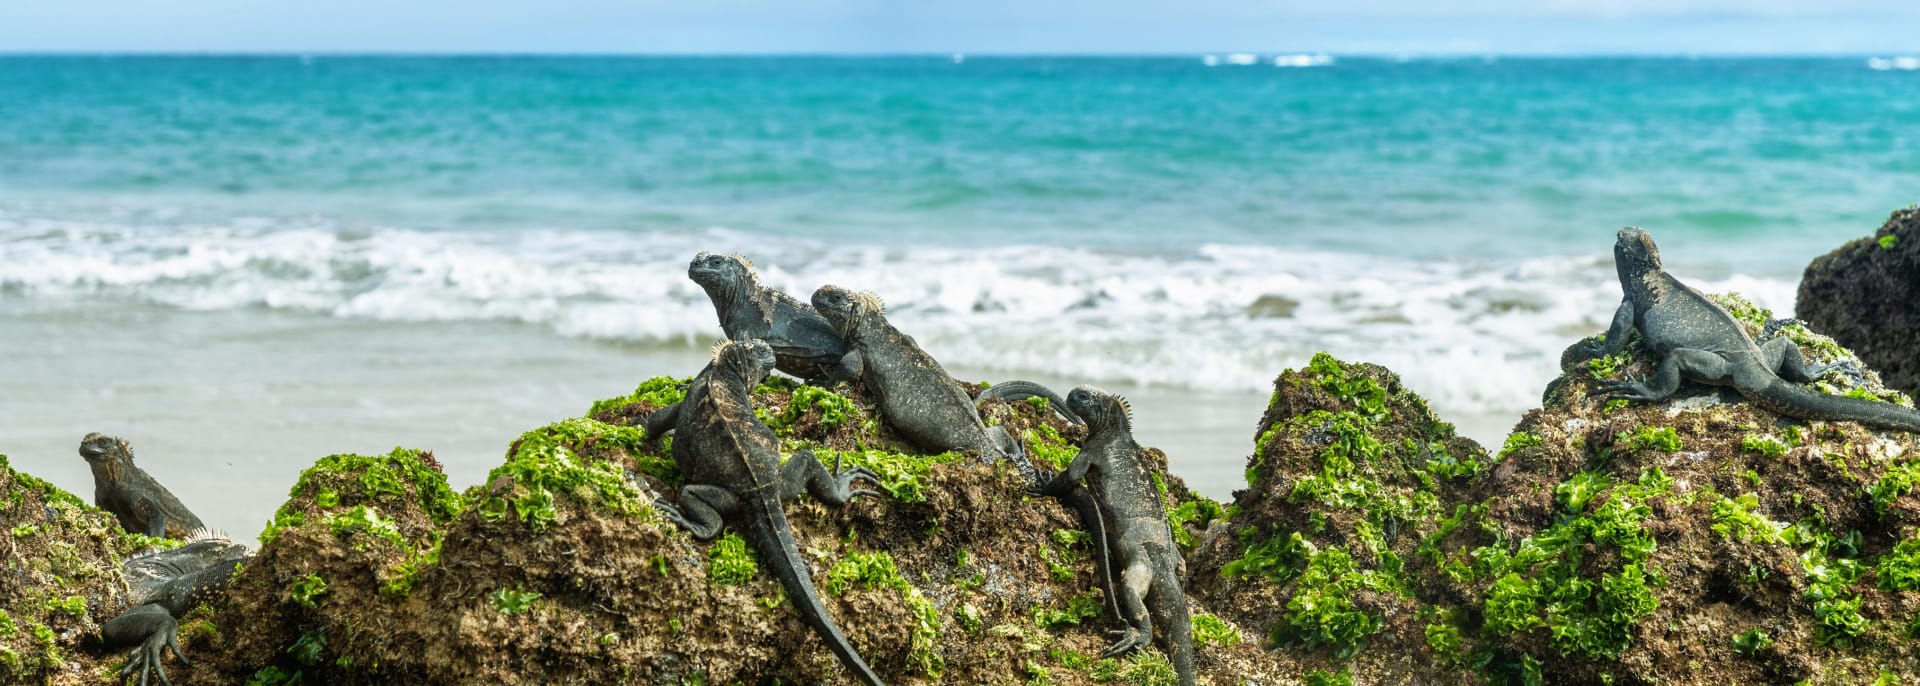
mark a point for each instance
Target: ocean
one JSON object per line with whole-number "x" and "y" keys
{"x": 243, "y": 263}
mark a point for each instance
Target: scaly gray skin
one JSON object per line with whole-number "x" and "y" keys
{"x": 1136, "y": 542}
{"x": 804, "y": 345}
{"x": 165, "y": 585}
{"x": 1011, "y": 391}
{"x": 731, "y": 464}
{"x": 1700, "y": 341}
{"x": 141, "y": 503}
{"x": 915, "y": 395}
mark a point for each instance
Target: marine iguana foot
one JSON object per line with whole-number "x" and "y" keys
{"x": 146, "y": 659}
{"x": 1633, "y": 388}
{"x": 1131, "y": 639}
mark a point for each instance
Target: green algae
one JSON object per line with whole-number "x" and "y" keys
{"x": 357, "y": 480}
{"x": 1751, "y": 641}
{"x": 564, "y": 459}
{"x": 1735, "y": 519}
{"x": 659, "y": 391}
{"x": 1662, "y": 438}
{"x": 730, "y": 562}
{"x": 1899, "y": 569}
{"x": 1077, "y": 609}
{"x": 876, "y": 570}
{"x": 1544, "y": 583}
{"x": 1199, "y": 512}
{"x": 1211, "y": 630}
{"x": 902, "y": 476}
{"x": 834, "y": 409}
{"x": 508, "y": 601}
{"x": 305, "y": 590}
{"x": 1767, "y": 446}
{"x": 1045, "y": 446}
{"x": 1888, "y": 241}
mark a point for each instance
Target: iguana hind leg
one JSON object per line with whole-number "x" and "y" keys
{"x": 1134, "y": 585}
{"x": 804, "y": 473}
{"x": 701, "y": 511}
{"x": 1682, "y": 362}
{"x": 1782, "y": 355}
{"x": 155, "y": 631}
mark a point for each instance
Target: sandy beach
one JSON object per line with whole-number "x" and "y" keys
{"x": 226, "y": 408}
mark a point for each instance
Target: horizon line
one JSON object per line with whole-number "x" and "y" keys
{"x": 949, "y": 54}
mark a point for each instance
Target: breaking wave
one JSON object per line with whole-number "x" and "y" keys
{"x": 1471, "y": 336}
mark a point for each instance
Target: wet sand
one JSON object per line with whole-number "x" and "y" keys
{"x": 226, "y": 408}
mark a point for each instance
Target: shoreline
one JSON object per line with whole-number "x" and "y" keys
{"x": 246, "y": 399}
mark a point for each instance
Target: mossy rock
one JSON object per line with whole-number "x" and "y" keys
{"x": 1619, "y": 542}
{"x": 1866, "y": 294}
{"x": 1320, "y": 554}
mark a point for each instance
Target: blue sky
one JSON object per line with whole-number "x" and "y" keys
{"x": 974, "y": 26}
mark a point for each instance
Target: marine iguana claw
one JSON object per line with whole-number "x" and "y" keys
{"x": 146, "y": 660}
{"x": 1130, "y": 640}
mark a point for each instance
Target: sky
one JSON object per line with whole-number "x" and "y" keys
{"x": 1850, "y": 27}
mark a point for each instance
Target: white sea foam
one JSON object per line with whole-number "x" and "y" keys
{"x": 1472, "y": 336}
{"x": 1907, "y": 63}
{"x": 1303, "y": 60}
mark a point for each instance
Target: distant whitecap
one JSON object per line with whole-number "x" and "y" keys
{"x": 1303, "y": 60}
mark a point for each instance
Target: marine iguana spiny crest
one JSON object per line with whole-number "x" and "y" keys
{"x": 803, "y": 343}
{"x": 1699, "y": 340}
{"x": 1138, "y": 561}
{"x": 731, "y": 464}
{"x": 165, "y": 585}
{"x": 915, "y": 395}
{"x": 140, "y": 503}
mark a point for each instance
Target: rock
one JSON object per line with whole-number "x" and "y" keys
{"x": 1351, "y": 473}
{"x": 62, "y": 580}
{"x": 1866, "y": 295}
{"x": 1699, "y": 540}
{"x": 557, "y": 570}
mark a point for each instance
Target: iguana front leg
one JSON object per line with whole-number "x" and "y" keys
{"x": 848, "y": 368}
{"x": 662, "y": 421}
{"x": 1615, "y": 340}
{"x": 156, "y": 517}
{"x": 1681, "y": 362}
{"x": 804, "y": 473}
{"x": 1783, "y": 356}
{"x": 156, "y": 631}
{"x": 701, "y": 511}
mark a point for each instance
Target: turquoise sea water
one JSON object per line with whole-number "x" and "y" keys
{"x": 1154, "y": 220}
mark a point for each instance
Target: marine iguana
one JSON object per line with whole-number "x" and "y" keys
{"x": 804, "y": 345}
{"x": 731, "y": 464}
{"x": 1700, "y": 341}
{"x": 1129, "y": 523}
{"x": 141, "y": 503}
{"x": 916, "y": 396}
{"x": 165, "y": 585}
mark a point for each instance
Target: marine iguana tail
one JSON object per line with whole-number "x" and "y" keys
{"x": 1699, "y": 340}
{"x": 1021, "y": 390}
{"x": 731, "y": 464}
{"x": 773, "y": 539}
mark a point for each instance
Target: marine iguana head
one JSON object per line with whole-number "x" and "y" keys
{"x": 714, "y": 270}
{"x": 844, "y": 310}
{"x": 101, "y": 450}
{"x": 1102, "y": 410}
{"x": 750, "y": 360}
{"x": 1634, "y": 253}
